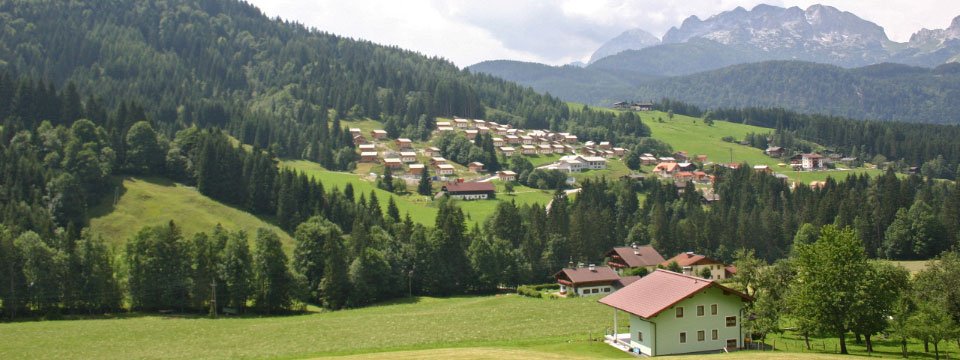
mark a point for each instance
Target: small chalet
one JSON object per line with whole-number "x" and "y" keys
{"x": 359, "y": 140}
{"x": 444, "y": 128}
{"x": 666, "y": 169}
{"x": 762, "y": 168}
{"x": 587, "y": 280}
{"x": 461, "y": 123}
{"x": 507, "y": 175}
{"x": 605, "y": 145}
{"x": 469, "y": 190}
{"x": 546, "y": 149}
{"x": 445, "y": 169}
{"x": 431, "y": 151}
{"x": 368, "y": 156}
{"x": 622, "y": 105}
{"x": 528, "y": 150}
{"x": 393, "y": 163}
{"x": 404, "y": 143}
{"x": 644, "y": 106}
{"x": 647, "y": 159}
{"x": 618, "y": 151}
{"x": 443, "y": 123}
{"x": 570, "y": 139}
{"x": 367, "y": 147}
{"x": 693, "y": 264}
{"x": 671, "y": 313}
{"x": 471, "y": 134}
{"x": 356, "y": 131}
{"x": 513, "y": 139}
{"x": 415, "y": 169}
{"x": 498, "y": 142}
{"x": 408, "y": 156}
{"x": 475, "y": 166}
{"x": 686, "y": 166}
{"x": 437, "y": 160}
{"x": 378, "y": 134}
{"x": 774, "y": 151}
{"x": 634, "y": 256}
{"x": 507, "y": 150}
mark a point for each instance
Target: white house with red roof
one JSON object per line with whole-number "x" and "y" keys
{"x": 694, "y": 264}
{"x": 672, "y": 313}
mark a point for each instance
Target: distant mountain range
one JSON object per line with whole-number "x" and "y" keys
{"x": 624, "y": 67}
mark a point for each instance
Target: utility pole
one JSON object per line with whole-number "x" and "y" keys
{"x": 213, "y": 303}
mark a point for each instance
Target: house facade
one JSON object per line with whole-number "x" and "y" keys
{"x": 507, "y": 175}
{"x": 671, "y": 313}
{"x": 469, "y": 191}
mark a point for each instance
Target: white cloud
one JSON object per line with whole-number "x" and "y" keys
{"x": 554, "y": 32}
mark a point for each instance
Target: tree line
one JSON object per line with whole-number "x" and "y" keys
{"x": 827, "y": 286}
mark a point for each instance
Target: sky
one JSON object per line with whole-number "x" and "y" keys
{"x": 555, "y": 32}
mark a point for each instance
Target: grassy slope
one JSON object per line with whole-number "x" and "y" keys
{"x": 153, "y": 201}
{"x": 695, "y": 137}
{"x": 421, "y": 209}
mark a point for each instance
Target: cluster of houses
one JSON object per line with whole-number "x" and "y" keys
{"x": 510, "y": 141}
{"x": 811, "y": 161}
{"x": 635, "y": 106}
{"x": 668, "y": 312}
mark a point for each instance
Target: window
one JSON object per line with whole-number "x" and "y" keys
{"x": 606, "y": 289}
{"x": 714, "y": 335}
{"x": 731, "y": 321}
{"x": 731, "y": 343}
{"x": 699, "y": 310}
{"x": 713, "y": 309}
{"x": 595, "y": 291}
{"x": 680, "y": 311}
{"x": 683, "y": 338}
{"x": 640, "y": 336}
{"x": 701, "y": 335}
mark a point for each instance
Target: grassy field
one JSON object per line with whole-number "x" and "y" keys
{"x": 154, "y": 201}
{"x": 416, "y": 324}
{"x": 487, "y": 327}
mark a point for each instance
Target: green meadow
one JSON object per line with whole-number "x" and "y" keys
{"x": 155, "y": 201}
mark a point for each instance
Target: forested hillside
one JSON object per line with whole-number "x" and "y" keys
{"x": 876, "y": 92}
{"x": 223, "y": 63}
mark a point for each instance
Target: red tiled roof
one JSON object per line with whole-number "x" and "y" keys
{"x": 642, "y": 256}
{"x": 666, "y": 166}
{"x": 658, "y": 291}
{"x": 690, "y": 259}
{"x": 585, "y": 275}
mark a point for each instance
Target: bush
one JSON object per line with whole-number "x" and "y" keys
{"x": 529, "y": 292}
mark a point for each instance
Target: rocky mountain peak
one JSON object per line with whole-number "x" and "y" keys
{"x": 634, "y": 39}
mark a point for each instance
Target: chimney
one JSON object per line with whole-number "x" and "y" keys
{"x": 593, "y": 267}
{"x": 570, "y": 264}
{"x": 634, "y": 245}
{"x": 579, "y": 265}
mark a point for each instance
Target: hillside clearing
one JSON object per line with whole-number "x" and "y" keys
{"x": 155, "y": 201}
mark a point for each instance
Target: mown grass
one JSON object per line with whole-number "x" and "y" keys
{"x": 485, "y": 327}
{"x": 155, "y": 201}
{"x": 413, "y": 324}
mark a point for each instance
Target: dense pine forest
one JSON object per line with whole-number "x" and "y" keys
{"x": 91, "y": 92}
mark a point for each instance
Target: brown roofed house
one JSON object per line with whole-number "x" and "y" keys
{"x": 587, "y": 280}
{"x": 469, "y": 190}
{"x": 634, "y": 256}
